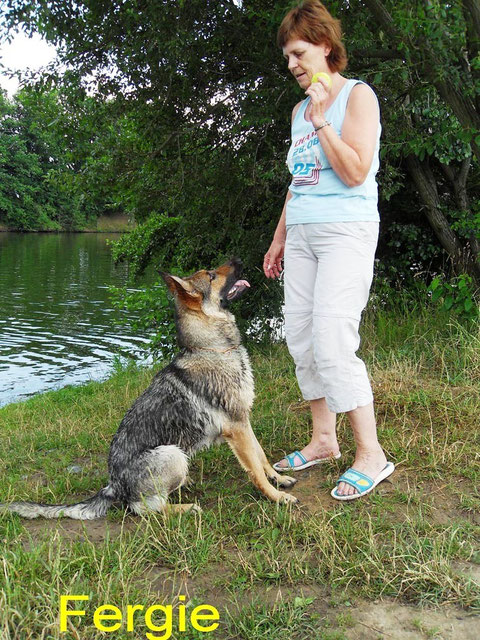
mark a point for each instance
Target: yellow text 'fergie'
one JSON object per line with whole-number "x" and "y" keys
{"x": 159, "y": 619}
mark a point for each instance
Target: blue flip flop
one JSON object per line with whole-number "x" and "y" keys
{"x": 305, "y": 463}
{"x": 362, "y": 483}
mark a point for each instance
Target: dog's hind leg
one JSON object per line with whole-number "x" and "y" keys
{"x": 159, "y": 504}
{"x": 182, "y": 508}
{"x": 245, "y": 446}
{"x": 160, "y": 471}
{"x": 155, "y": 502}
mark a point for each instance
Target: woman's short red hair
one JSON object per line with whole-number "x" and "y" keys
{"x": 311, "y": 22}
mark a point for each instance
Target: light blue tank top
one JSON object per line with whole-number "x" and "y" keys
{"x": 318, "y": 194}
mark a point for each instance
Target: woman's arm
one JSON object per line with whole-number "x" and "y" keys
{"x": 272, "y": 262}
{"x": 351, "y": 155}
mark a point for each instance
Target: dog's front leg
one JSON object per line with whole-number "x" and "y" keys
{"x": 280, "y": 480}
{"x": 245, "y": 446}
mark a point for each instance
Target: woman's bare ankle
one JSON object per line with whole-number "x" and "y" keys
{"x": 322, "y": 449}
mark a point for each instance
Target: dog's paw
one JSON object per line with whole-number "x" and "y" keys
{"x": 284, "y": 481}
{"x": 286, "y": 498}
{"x": 195, "y": 508}
{"x": 182, "y": 508}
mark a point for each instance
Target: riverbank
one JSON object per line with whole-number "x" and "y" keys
{"x": 402, "y": 563}
{"x": 116, "y": 223}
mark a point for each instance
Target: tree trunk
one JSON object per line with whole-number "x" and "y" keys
{"x": 463, "y": 260}
{"x": 461, "y": 106}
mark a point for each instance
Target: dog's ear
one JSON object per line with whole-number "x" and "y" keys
{"x": 174, "y": 283}
{"x": 183, "y": 291}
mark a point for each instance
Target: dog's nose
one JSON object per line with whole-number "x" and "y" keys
{"x": 236, "y": 262}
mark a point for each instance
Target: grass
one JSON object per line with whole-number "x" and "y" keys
{"x": 272, "y": 572}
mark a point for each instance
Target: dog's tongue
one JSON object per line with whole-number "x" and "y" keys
{"x": 239, "y": 286}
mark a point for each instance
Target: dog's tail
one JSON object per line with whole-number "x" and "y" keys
{"x": 94, "y": 507}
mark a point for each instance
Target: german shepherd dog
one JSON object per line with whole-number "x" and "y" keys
{"x": 202, "y": 397}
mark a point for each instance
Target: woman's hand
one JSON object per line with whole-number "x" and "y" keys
{"x": 272, "y": 263}
{"x": 318, "y": 92}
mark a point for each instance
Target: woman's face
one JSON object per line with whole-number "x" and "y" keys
{"x": 304, "y": 59}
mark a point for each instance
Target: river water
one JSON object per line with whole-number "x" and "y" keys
{"x": 57, "y": 324}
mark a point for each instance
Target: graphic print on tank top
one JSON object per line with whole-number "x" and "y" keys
{"x": 303, "y": 160}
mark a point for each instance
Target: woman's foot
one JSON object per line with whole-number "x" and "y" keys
{"x": 312, "y": 452}
{"x": 368, "y": 462}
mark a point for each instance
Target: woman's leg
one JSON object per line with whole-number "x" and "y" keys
{"x": 345, "y": 254}
{"x": 324, "y": 436}
{"x": 299, "y": 283}
{"x": 369, "y": 457}
{"x": 323, "y": 443}
{"x": 300, "y": 276}
{"x": 345, "y": 257}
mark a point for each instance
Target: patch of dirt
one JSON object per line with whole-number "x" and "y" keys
{"x": 95, "y": 531}
{"x": 310, "y": 490}
{"x": 467, "y": 570}
{"x": 442, "y": 505}
{"x": 382, "y": 619}
{"x": 168, "y": 583}
{"x": 209, "y": 586}
{"x": 394, "y": 621}
{"x": 37, "y": 479}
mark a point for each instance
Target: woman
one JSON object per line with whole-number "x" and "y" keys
{"x": 327, "y": 235}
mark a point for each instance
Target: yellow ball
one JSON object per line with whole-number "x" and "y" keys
{"x": 321, "y": 74}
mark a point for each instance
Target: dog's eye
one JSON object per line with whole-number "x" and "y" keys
{"x": 212, "y": 275}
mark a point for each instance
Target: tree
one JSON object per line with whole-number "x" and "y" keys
{"x": 52, "y": 149}
{"x": 21, "y": 194}
{"x": 424, "y": 55}
{"x": 203, "y": 103}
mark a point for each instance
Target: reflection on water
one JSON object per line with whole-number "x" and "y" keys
{"x": 57, "y": 325}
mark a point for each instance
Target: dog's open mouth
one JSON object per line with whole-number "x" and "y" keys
{"x": 238, "y": 288}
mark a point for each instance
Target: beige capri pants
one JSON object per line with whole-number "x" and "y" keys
{"x": 328, "y": 273}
